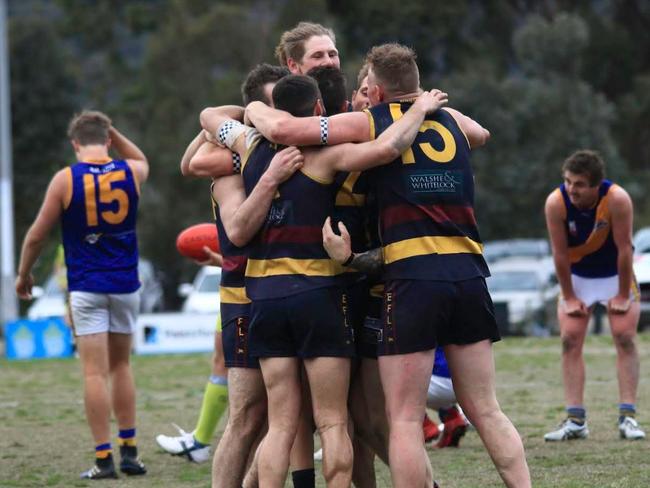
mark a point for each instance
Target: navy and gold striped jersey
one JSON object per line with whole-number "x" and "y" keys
{"x": 426, "y": 202}
{"x": 592, "y": 250}
{"x": 98, "y": 227}
{"x": 287, "y": 255}
{"x": 351, "y": 189}
{"x": 232, "y": 291}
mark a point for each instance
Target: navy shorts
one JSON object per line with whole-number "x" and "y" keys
{"x": 418, "y": 315}
{"x": 234, "y": 332}
{"x": 306, "y": 325}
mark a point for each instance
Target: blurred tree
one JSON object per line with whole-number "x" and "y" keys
{"x": 537, "y": 118}
{"x": 43, "y": 98}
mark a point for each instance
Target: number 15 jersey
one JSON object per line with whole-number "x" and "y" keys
{"x": 98, "y": 227}
{"x": 426, "y": 202}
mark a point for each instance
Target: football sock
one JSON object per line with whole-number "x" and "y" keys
{"x": 626, "y": 410}
{"x": 304, "y": 478}
{"x": 103, "y": 455}
{"x": 126, "y": 437}
{"x": 215, "y": 401}
{"x": 577, "y": 414}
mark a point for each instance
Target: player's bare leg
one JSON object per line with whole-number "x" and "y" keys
{"x": 329, "y": 380}
{"x": 123, "y": 385}
{"x": 623, "y": 328}
{"x": 472, "y": 369}
{"x": 405, "y": 379}
{"x": 93, "y": 351}
{"x": 302, "y": 457}
{"x": 247, "y": 415}
{"x": 282, "y": 382}
{"x": 572, "y": 333}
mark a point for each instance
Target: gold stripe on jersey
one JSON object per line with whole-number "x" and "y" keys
{"x": 346, "y": 197}
{"x": 377, "y": 291}
{"x": 262, "y": 268}
{"x": 371, "y": 124}
{"x": 396, "y": 113}
{"x": 598, "y": 236}
{"x": 421, "y": 246}
{"x": 233, "y": 294}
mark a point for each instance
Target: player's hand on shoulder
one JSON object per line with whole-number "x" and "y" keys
{"x": 284, "y": 164}
{"x": 430, "y": 101}
{"x": 24, "y": 286}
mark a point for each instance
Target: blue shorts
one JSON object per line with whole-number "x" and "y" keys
{"x": 306, "y": 325}
{"x": 235, "y": 336}
{"x": 418, "y": 315}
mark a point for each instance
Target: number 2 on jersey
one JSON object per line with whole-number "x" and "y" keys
{"x": 107, "y": 194}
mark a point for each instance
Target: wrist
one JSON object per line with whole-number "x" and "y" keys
{"x": 349, "y": 260}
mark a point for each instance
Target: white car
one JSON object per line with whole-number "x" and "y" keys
{"x": 50, "y": 298}
{"x": 202, "y": 296}
{"x": 529, "y": 288}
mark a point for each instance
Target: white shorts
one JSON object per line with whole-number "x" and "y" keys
{"x": 441, "y": 393}
{"x": 94, "y": 313}
{"x": 598, "y": 290}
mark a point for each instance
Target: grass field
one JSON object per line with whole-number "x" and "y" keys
{"x": 45, "y": 441}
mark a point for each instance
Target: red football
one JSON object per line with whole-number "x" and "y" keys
{"x": 190, "y": 242}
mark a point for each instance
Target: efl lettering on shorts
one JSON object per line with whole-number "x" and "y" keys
{"x": 241, "y": 335}
{"x": 349, "y": 331}
{"x": 435, "y": 185}
{"x": 389, "y": 321}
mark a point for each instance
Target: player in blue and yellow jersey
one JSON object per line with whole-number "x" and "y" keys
{"x": 297, "y": 306}
{"x": 96, "y": 200}
{"x": 435, "y": 291}
{"x": 589, "y": 221}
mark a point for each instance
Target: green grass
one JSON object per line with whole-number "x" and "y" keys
{"x": 45, "y": 440}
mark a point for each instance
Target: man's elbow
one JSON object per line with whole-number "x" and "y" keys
{"x": 238, "y": 237}
{"x": 207, "y": 114}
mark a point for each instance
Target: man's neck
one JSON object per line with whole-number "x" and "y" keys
{"x": 402, "y": 97}
{"x": 94, "y": 152}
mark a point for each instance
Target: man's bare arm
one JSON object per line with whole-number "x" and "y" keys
{"x": 555, "y": 215}
{"x": 37, "y": 234}
{"x": 189, "y": 153}
{"x": 620, "y": 207}
{"x": 477, "y": 136}
{"x": 391, "y": 143}
{"x": 339, "y": 248}
{"x": 212, "y": 161}
{"x": 211, "y": 118}
{"x": 243, "y": 221}
{"x": 283, "y": 128}
{"x": 129, "y": 151}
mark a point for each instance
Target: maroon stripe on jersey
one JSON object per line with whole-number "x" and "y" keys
{"x": 293, "y": 235}
{"x": 234, "y": 263}
{"x": 399, "y": 214}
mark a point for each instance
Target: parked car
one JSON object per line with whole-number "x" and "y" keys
{"x": 529, "y": 289}
{"x": 50, "y": 298}
{"x": 494, "y": 251}
{"x": 202, "y": 295}
{"x": 641, "y": 241}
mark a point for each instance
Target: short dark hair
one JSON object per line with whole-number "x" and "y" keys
{"x": 296, "y": 94}
{"x": 331, "y": 83}
{"x": 394, "y": 67}
{"x": 586, "y": 162}
{"x": 252, "y": 89}
{"x": 89, "y": 127}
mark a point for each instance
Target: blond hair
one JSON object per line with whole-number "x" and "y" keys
{"x": 292, "y": 42}
{"x": 394, "y": 67}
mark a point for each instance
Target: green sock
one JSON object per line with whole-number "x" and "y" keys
{"x": 215, "y": 401}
